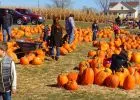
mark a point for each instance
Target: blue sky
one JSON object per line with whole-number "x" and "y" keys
{"x": 78, "y": 4}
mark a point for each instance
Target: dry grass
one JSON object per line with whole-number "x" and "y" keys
{"x": 39, "y": 82}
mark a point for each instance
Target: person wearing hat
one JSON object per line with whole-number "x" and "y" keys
{"x": 7, "y": 74}
{"x": 6, "y": 22}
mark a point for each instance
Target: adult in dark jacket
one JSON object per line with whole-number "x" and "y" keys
{"x": 95, "y": 29}
{"x": 56, "y": 38}
{"x": 6, "y": 23}
{"x": 119, "y": 60}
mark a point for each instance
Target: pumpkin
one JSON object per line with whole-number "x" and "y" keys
{"x": 63, "y": 51}
{"x": 73, "y": 46}
{"x": 137, "y": 77}
{"x": 91, "y": 53}
{"x": 72, "y": 76}
{"x": 129, "y": 82}
{"x": 39, "y": 52}
{"x": 71, "y": 85}
{"x": 97, "y": 70}
{"x": 131, "y": 69}
{"x": 83, "y": 65}
{"x": 101, "y": 76}
{"x": 136, "y": 57}
{"x": 41, "y": 57}
{"x": 96, "y": 62}
{"x": 24, "y": 61}
{"x": 87, "y": 76}
{"x": 67, "y": 46}
{"x": 121, "y": 77}
{"x": 37, "y": 61}
{"x": 30, "y": 56}
{"x": 62, "y": 80}
{"x": 112, "y": 81}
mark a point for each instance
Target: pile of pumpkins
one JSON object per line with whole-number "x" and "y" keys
{"x": 96, "y": 70}
{"x": 34, "y": 57}
{"x": 17, "y": 33}
{"x": 81, "y": 35}
{"x": 108, "y": 32}
{"x": 26, "y": 31}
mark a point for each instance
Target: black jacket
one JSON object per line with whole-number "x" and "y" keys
{"x": 6, "y": 20}
{"x": 56, "y": 36}
{"x": 119, "y": 60}
{"x": 95, "y": 27}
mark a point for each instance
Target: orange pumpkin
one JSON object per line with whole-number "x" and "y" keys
{"x": 121, "y": 77}
{"x": 62, "y": 80}
{"x": 31, "y": 56}
{"x": 136, "y": 57}
{"x": 91, "y": 53}
{"x": 24, "y": 61}
{"x": 72, "y": 76}
{"x": 137, "y": 77}
{"x": 71, "y": 85}
{"x": 63, "y": 51}
{"x": 112, "y": 81}
{"x": 87, "y": 76}
{"x": 37, "y": 61}
{"x": 83, "y": 65}
{"x": 102, "y": 75}
{"x": 129, "y": 82}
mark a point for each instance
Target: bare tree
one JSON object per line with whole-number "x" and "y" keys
{"x": 62, "y": 3}
{"x": 104, "y": 4}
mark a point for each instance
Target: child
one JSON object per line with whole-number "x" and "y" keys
{"x": 7, "y": 74}
{"x": 116, "y": 29}
{"x": 95, "y": 29}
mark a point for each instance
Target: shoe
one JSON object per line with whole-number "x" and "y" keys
{"x": 53, "y": 57}
{"x": 56, "y": 58}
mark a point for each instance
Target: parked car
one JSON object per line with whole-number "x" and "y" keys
{"x": 18, "y": 18}
{"x": 35, "y": 18}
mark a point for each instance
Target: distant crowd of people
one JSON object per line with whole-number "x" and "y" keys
{"x": 131, "y": 23}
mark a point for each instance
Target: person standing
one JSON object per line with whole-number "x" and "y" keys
{"x": 6, "y": 23}
{"x": 70, "y": 28}
{"x": 95, "y": 29}
{"x": 116, "y": 29}
{"x": 7, "y": 74}
{"x": 55, "y": 38}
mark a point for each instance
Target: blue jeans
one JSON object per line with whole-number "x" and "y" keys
{"x": 94, "y": 35}
{"x": 57, "y": 51}
{"x": 70, "y": 35}
{"x": 5, "y": 96}
{"x": 6, "y": 31}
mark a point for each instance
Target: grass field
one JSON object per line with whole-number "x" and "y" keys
{"x": 39, "y": 82}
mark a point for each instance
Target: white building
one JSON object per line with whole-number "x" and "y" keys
{"x": 124, "y": 9}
